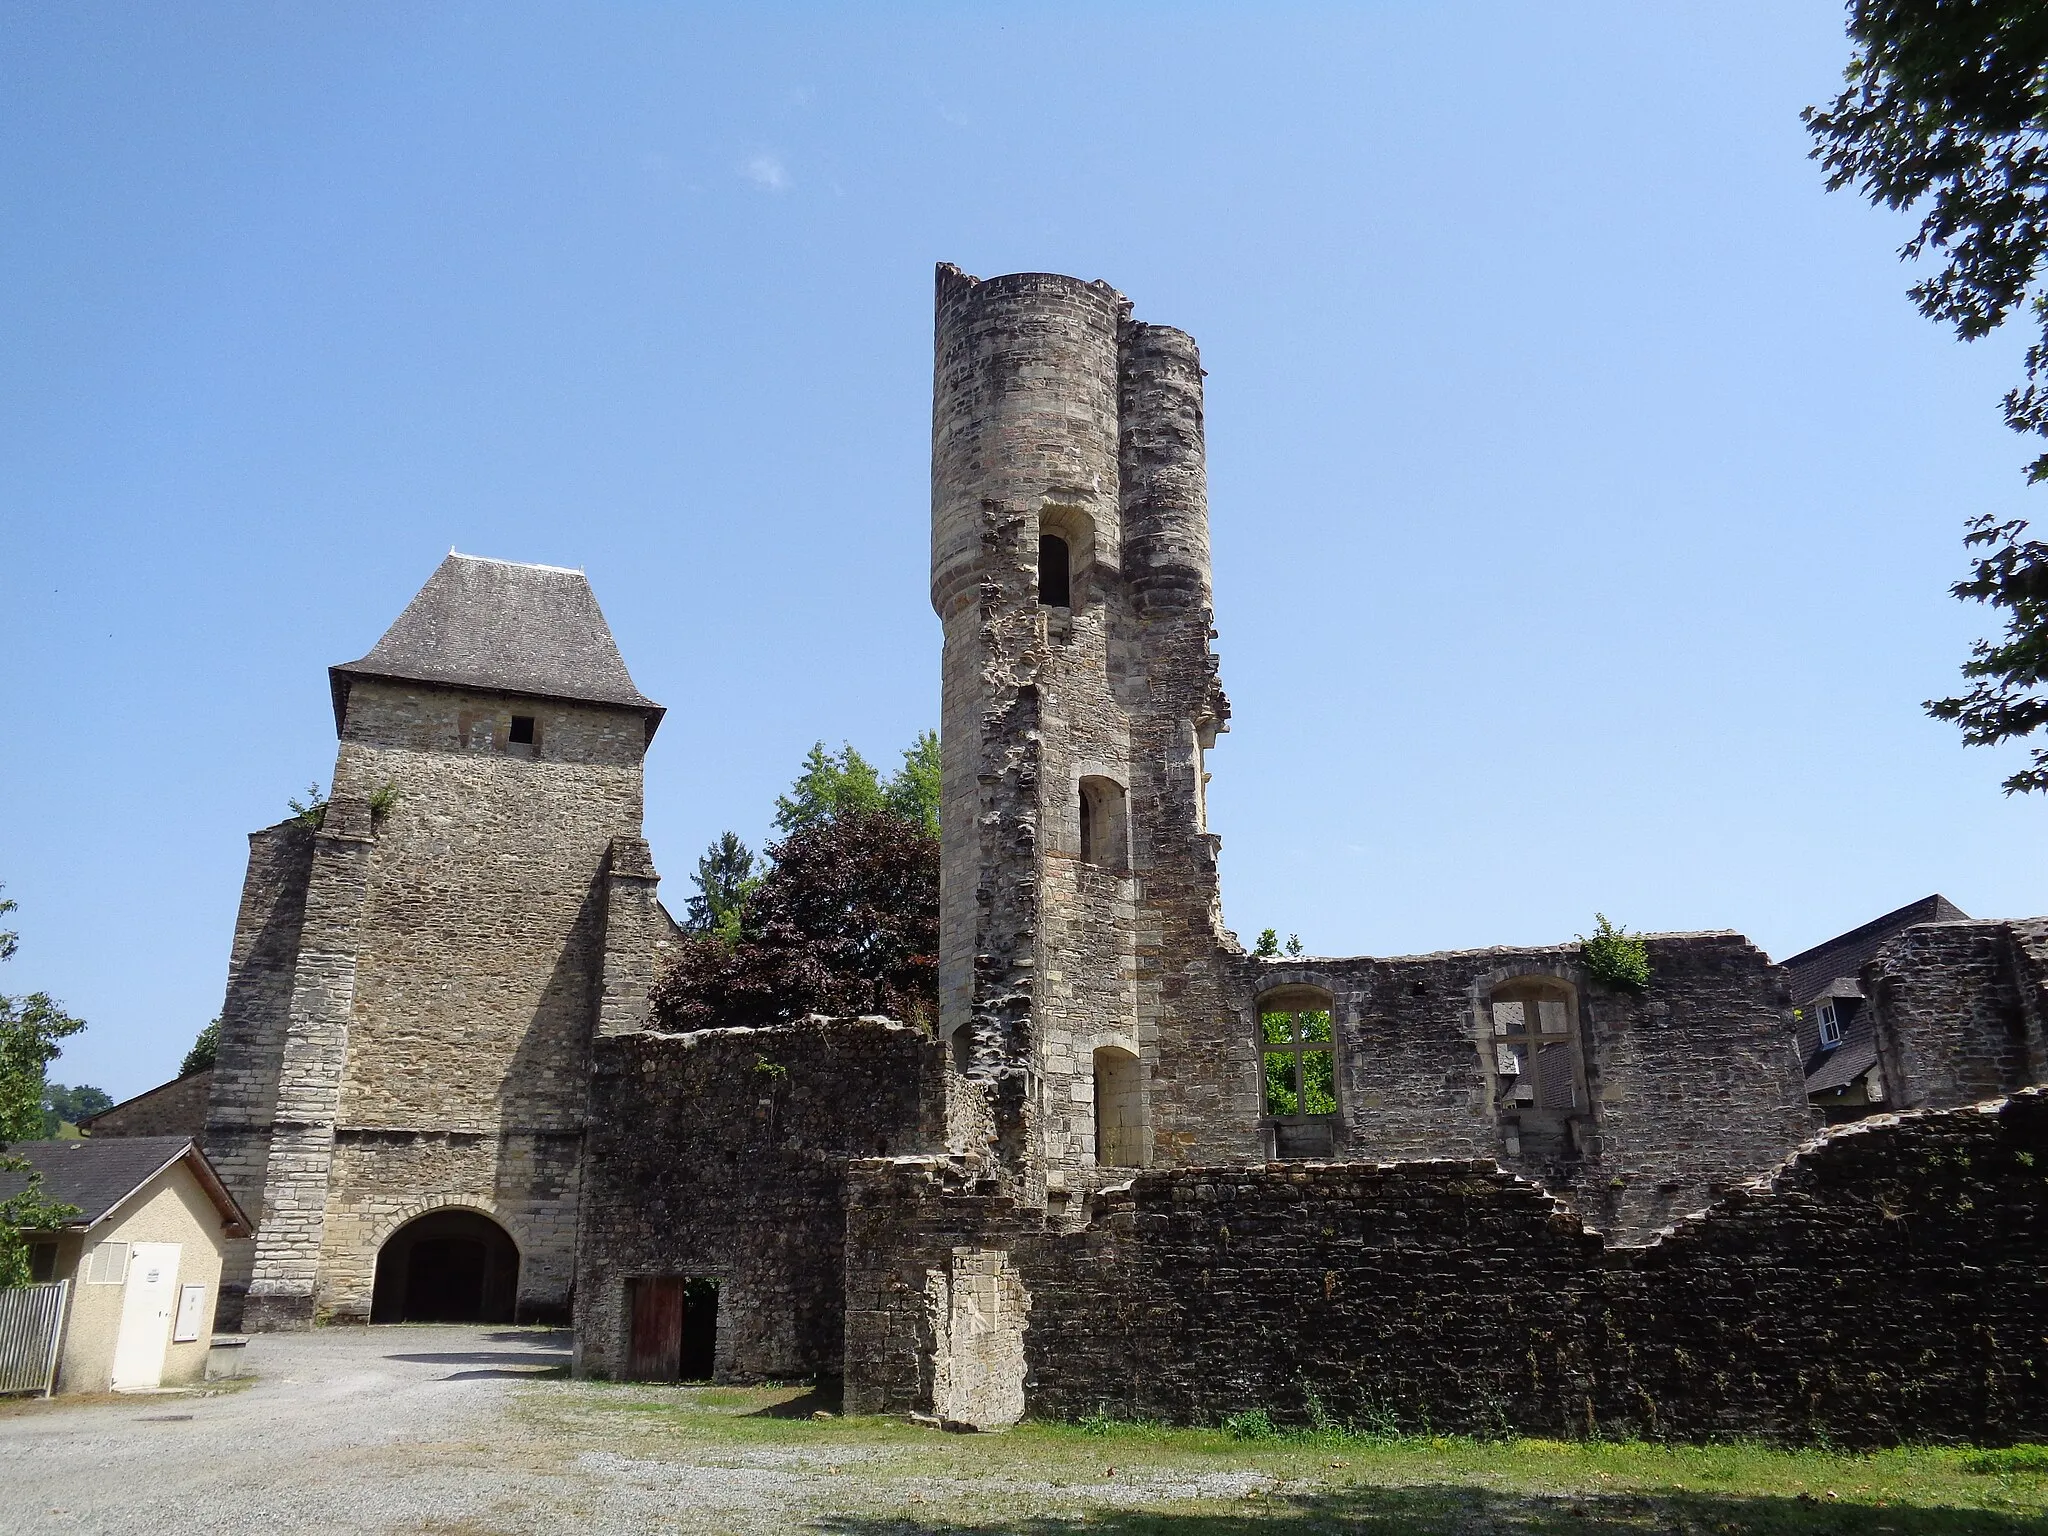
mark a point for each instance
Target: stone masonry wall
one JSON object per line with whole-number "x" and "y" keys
{"x": 284, "y": 1274}
{"x": 1959, "y": 1010}
{"x": 722, "y": 1154}
{"x": 459, "y": 949}
{"x": 1692, "y": 1087}
{"x": 178, "y": 1108}
{"x": 1887, "y": 1284}
{"x": 254, "y": 1018}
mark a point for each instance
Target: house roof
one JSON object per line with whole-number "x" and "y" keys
{"x": 98, "y": 1175}
{"x": 1811, "y": 970}
{"x": 499, "y": 627}
{"x": 1856, "y": 1055}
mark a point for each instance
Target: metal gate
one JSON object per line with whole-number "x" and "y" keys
{"x": 31, "y": 1328}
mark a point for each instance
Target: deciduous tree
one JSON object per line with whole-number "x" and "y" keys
{"x": 1945, "y": 109}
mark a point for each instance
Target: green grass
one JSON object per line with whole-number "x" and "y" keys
{"x": 878, "y": 1476}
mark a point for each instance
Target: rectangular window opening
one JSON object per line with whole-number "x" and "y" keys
{"x": 1830, "y": 1027}
{"x": 522, "y": 730}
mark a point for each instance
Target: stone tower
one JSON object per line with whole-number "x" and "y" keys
{"x": 405, "y": 1045}
{"x": 1081, "y": 942}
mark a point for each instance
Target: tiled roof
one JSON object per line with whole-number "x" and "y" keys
{"x": 97, "y": 1175}
{"x": 1846, "y": 954}
{"x": 503, "y": 628}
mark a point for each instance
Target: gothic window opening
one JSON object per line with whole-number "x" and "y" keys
{"x": 1055, "y": 572}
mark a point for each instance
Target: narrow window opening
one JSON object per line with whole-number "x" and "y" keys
{"x": 522, "y": 730}
{"x": 1055, "y": 572}
{"x": 1104, "y": 824}
{"x": 963, "y": 1049}
{"x": 1119, "y": 1142}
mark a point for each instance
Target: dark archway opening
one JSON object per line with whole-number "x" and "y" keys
{"x": 447, "y": 1267}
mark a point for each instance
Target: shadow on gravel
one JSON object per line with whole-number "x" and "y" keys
{"x": 533, "y": 1373}
{"x": 826, "y": 1395}
{"x": 500, "y": 1357}
{"x": 1446, "y": 1511}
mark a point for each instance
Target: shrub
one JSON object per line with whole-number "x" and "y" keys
{"x": 1615, "y": 956}
{"x": 1253, "y": 1424}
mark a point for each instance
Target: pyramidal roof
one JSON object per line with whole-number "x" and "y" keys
{"x": 500, "y": 627}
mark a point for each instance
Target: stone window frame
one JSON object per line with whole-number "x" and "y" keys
{"x": 1075, "y": 527}
{"x": 1294, "y": 997}
{"x": 1102, "y": 823}
{"x": 1560, "y": 981}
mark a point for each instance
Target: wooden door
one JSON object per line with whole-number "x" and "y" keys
{"x": 656, "y": 1351}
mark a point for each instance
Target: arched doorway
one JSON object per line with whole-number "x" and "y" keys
{"x": 449, "y": 1266}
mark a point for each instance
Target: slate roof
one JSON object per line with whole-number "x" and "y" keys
{"x": 1856, "y": 1055}
{"x": 1845, "y": 955}
{"x": 502, "y": 628}
{"x": 97, "y": 1175}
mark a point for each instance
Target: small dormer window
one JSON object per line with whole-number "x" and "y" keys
{"x": 1830, "y": 1026}
{"x": 522, "y": 730}
{"x": 1055, "y": 572}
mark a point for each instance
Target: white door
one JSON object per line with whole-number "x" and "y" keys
{"x": 146, "y": 1306}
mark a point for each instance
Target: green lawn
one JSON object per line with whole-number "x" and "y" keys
{"x": 866, "y": 1477}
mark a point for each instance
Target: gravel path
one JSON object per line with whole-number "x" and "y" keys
{"x": 344, "y": 1430}
{"x": 444, "y": 1430}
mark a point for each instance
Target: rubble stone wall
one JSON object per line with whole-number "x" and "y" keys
{"x": 1960, "y": 1010}
{"x": 722, "y": 1154}
{"x": 178, "y": 1108}
{"x": 1886, "y": 1284}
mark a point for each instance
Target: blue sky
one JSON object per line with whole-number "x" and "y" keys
{"x": 1585, "y": 490}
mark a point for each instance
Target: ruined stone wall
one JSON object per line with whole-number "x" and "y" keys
{"x": 1689, "y": 1088}
{"x": 459, "y": 947}
{"x": 1199, "y": 1081}
{"x": 912, "y": 1225}
{"x": 723, "y": 1154}
{"x": 1446, "y": 1294}
{"x": 1887, "y": 1284}
{"x": 254, "y": 1018}
{"x": 1960, "y": 1011}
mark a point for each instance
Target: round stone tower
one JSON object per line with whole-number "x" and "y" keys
{"x": 1069, "y": 544}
